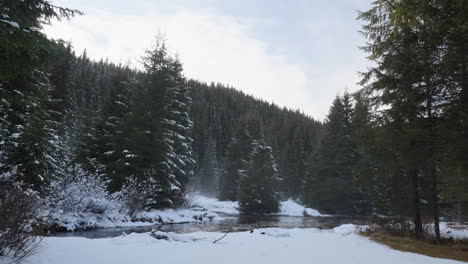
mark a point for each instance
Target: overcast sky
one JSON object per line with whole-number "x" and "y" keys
{"x": 298, "y": 53}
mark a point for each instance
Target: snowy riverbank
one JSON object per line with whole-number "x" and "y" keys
{"x": 287, "y": 208}
{"x": 272, "y": 245}
{"x": 200, "y": 209}
{"x": 449, "y": 230}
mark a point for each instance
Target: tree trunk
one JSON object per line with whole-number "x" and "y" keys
{"x": 413, "y": 173}
{"x": 431, "y": 141}
{"x": 435, "y": 200}
{"x": 464, "y": 143}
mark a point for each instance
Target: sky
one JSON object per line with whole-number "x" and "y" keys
{"x": 299, "y": 54}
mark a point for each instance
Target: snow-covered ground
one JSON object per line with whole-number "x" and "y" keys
{"x": 287, "y": 208}
{"x": 272, "y": 245}
{"x": 450, "y": 230}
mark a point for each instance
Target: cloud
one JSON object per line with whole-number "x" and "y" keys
{"x": 211, "y": 48}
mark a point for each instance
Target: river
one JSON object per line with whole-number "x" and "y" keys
{"x": 233, "y": 223}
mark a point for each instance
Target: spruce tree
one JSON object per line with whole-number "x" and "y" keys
{"x": 208, "y": 170}
{"x": 155, "y": 134}
{"x": 179, "y": 162}
{"x": 25, "y": 111}
{"x": 292, "y": 169}
{"x": 258, "y": 192}
{"x": 112, "y": 141}
{"x": 332, "y": 164}
{"x": 234, "y": 164}
{"x": 409, "y": 42}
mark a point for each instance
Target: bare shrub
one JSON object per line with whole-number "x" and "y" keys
{"x": 191, "y": 191}
{"x": 134, "y": 195}
{"x": 394, "y": 226}
{"x": 18, "y": 204}
{"x": 79, "y": 199}
{"x": 79, "y": 192}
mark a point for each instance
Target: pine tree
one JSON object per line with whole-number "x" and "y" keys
{"x": 26, "y": 138}
{"x": 208, "y": 170}
{"x": 26, "y": 121}
{"x": 332, "y": 164}
{"x": 155, "y": 137}
{"x": 22, "y": 45}
{"x": 112, "y": 141}
{"x": 409, "y": 42}
{"x": 448, "y": 22}
{"x": 28, "y": 127}
{"x": 292, "y": 169}
{"x": 177, "y": 134}
{"x": 368, "y": 174}
{"x": 234, "y": 164}
{"x": 258, "y": 192}
{"x": 146, "y": 149}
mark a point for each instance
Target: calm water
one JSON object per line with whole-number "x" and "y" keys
{"x": 230, "y": 223}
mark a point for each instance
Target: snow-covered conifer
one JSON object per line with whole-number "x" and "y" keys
{"x": 258, "y": 191}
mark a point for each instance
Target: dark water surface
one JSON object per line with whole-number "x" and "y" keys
{"x": 234, "y": 223}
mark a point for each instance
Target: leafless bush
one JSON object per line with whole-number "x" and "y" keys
{"x": 80, "y": 192}
{"x": 134, "y": 195}
{"x": 189, "y": 195}
{"x": 18, "y": 238}
{"x": 394, "y": 226}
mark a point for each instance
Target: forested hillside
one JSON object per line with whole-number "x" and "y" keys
{"x": 226, "y": 119}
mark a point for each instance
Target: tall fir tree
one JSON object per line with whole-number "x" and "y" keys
{"x": 177, "y": 134}
{"x": 258, "y": 192}
{"x": 409, "y": 43}
{"x": 332, "y": 165}
{"x": 208, "y": 170}
{"x": 234, "y": 164}
{"x": 25, "y": 114}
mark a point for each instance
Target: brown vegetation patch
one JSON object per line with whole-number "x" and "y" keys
{"x": 456, "y": 250}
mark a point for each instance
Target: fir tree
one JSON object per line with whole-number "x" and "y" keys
{"x": 409, "y": 42}
{"x": 234, "y": 164}
{"x": 208, "y": 170}
{"x": 258, "y": 192}
{"x": 331, "y": 166}
{"x": 292, "y": 169}
{"x": 25, "y": 114}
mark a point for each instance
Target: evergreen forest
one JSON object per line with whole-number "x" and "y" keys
{"x": 82, "y": 135}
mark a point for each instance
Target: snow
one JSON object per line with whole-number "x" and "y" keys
{"x": 76, "y": 221}
{"x": 175, "y": 187}
{"x": 450, "y": 230}
{"x": 173, "y": 216}
{"x": 287, "y": 208}
{"x": 121, "y": 103}
{"x": 292, "y": 208}
{"x": 72, "y": 221}
{"x": 215, "y": 205}
{"x": 15, "y": 135}
{"x": 173, "y": 237}
{"x": 345, "y": 229}
{"x": 272, "y": 245}
{"x": 11, "y": 23}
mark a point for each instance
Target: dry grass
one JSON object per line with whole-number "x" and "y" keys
{"x": 447, "y": 250}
